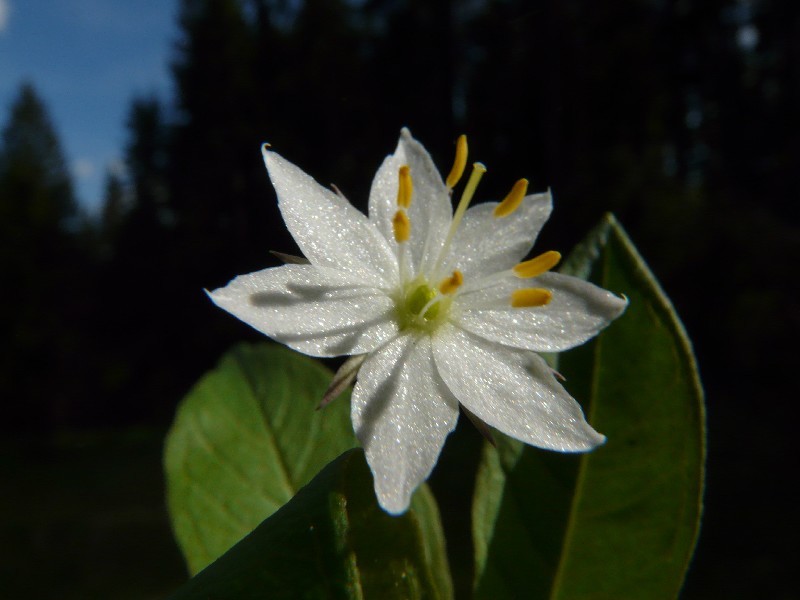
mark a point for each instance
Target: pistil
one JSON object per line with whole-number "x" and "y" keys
{"x": 478, "y": 169}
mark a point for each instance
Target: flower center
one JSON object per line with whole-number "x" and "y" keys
{"x": 422, "y": 306}
{"x": 419, "y": 299}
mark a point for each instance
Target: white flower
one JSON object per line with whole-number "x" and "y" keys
{"x": 436, "y": 307}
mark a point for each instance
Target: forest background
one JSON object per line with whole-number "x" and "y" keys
{"x": 680, "y": 117}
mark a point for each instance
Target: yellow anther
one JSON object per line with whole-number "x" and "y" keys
{"x": 459, "y": 163}
{"x": 401, "y": 226}
{"x": 511, "y": 202}
{"x": 452, "y": 283}
{"x": 405, "y": 188}
{"x": 536, "y": 266}
{"x": 528, "y": 297}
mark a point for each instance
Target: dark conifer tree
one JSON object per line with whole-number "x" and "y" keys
{"x": 412, "y": 71}
{"x": 216, "y": 176}
{"x": 42, "y": 283}
{"x": 114, "y": 204}
{"x": 136, "y": 369}
{"x": 146, "y": 160}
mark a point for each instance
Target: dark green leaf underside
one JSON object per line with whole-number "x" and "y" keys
{"x": 332, "y": 540}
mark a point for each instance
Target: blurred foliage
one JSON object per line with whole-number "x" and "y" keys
{"x": 680, "y": 116}
{"x": 82, "y": 516}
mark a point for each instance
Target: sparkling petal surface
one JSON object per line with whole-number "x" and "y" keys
{"x": 577, "y": 312}
{"x": 317, "y": 311}
{"x": 431, "y": 209}
{"x": 402, "y": 412}
{"x": 485, "y": 244}
{"x": 512, "y": 390}
{"x": 328, "y": 229}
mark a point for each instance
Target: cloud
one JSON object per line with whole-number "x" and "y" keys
{"x": 5, "y": 13}
{"x": 116, "y": 16}
{"x": 83, "y": 168}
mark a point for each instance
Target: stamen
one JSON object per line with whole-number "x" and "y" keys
{"x": 459, "y": 163}
{"x": 529, "y": 297}
{"x": 478, "y": 169}
{"x": 452, "y": 283}
{"x": 405, "y": 188}
{"x": 536, "y": 266}
{"x": 401, "y": 226}
{"x": 511, "y": 202}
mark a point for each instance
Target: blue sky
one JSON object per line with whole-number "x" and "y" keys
{"x": 87, "y": 59}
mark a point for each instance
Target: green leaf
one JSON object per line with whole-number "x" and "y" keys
{"x": 245, "y": 439}
{"x": 426, "y": 513}
{"x": 622, "y": 521}
{"x": 332, "y": 540}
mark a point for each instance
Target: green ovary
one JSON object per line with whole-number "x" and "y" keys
{"x": 413, "y": 302}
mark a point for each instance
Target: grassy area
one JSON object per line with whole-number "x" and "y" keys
{"x": 83, "y": 516}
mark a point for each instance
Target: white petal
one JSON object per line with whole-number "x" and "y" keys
{"x": 578, "y": 311}
{"x": 513, "y": 391}
{"x": 315, "y": 310}
{"x": 402, "y": 412}
{"x": 431, "y": 209}
{"x": 485, "y": 244}
{"x": 328, "y": 229}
